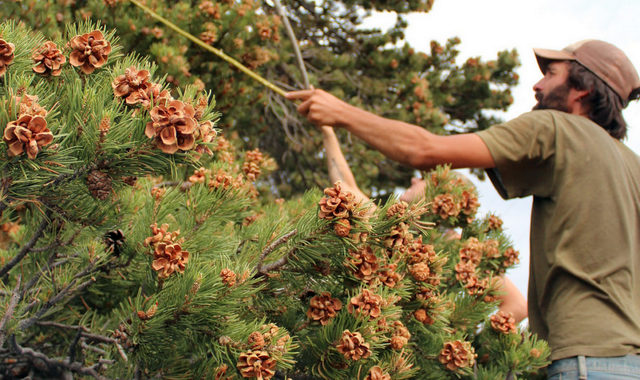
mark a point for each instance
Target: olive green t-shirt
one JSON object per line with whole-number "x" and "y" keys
{"x": 584, "y": 280}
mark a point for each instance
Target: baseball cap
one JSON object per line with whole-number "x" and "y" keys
{"x": 603, "y": 59}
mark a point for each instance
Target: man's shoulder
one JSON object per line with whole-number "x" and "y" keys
{"x": 554, "y": 116}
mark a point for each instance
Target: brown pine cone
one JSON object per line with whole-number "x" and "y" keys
{"x": 376, "y": 373}
{"x": 28, "y": 105}
{"x": 472, "y": 251}
{"x": 199, "y": 175}
{"x": 491, "y": 248}
{"x": 323, "y": 308}
{"x": 399, "y": 236}
{"x": 366, "y": 303}
{"x": 48, "y": 59}
{"x": 148, "y": 92}
{"x": 401, "y": 336}
{"x": 336, "y": 203}
{"x": 456, "y": 355}
{"x": 169, "y": 258}
{"x": 495, "y": 223}
{"x": 353, "y": 346}
{"x": 221, "y": 373}
{"x": 161, "y": 234}
{"x": 256, "y": 364}
{"x": 388, "y": 275}
{"x": 6, "y": 55}
{"x": 420, "y": 252}
{"x": 27, "y": 134}
{"x": 420, "y": 271}
{"x": 90, "y": 51}
{"x": 469, "y": 203}
{"x": 99, "y": 184}
{"x": 205, "y": 134}
{"x": 228, "y": 277}
{"x": 365, "y": 262}
{"x": 464, "y": 271}
{"x": 503, "y": 322}
{"x": 342, "y": 227}
{"x": 256, "y": 340}
{"x": 511, "y": 257}
{"x": 445, "y": 206}
{"x": 397, "y": 209}
{"x": 173, "y": 125}
{"x": 127, "y": 84}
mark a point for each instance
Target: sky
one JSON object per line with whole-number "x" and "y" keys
{"x": 488, "y": 26}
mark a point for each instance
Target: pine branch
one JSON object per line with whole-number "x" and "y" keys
{"x": 264, "y": 269}
{"x": 52, "y": 364}
{"x": 26, "y": 323}
{"x": 277, "y": 264}
{"x": 27, "y": 247}
{"x": 73, "y": 345}
{"x": 85, "y": 332}
{"x": 15, "y": 297}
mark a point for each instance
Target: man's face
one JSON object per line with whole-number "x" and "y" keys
{"x": 552, "y": 91}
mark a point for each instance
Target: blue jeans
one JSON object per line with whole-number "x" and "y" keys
{"x": 595, "y": 368}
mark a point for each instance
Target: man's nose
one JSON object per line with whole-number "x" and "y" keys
{"x": 538, "y": 86}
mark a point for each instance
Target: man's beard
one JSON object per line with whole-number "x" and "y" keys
{"x": 554, "y": 100}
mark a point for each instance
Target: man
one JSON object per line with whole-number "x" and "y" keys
{"x": 511, "y": 300}
{"x": 584, "y": 283}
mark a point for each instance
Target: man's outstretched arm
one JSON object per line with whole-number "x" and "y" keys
{"x": 339, "y": 169}
{"x": 406, "y": 143}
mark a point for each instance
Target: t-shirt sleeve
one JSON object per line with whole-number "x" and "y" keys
{"x": 523, "y": 151}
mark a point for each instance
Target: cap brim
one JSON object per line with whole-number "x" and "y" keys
{"x": 544, "y": 56}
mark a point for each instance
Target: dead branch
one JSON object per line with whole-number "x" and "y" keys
{"x": 15, "y": 297}
{"x": 52, "y": 364}
{"x": 271, "y": 247}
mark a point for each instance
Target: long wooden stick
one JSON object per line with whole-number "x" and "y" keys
{"x": 213, "y": 50}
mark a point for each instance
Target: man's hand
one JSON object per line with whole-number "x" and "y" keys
{"x": 320, "y": 107}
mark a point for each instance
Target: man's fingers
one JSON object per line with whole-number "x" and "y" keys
{"x": 302, "y": 94}
{"x": 303, "y": 108}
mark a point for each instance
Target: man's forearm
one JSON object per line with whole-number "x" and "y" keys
{"x": 406, "y": 143}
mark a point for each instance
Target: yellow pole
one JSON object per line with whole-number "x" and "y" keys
{"x": 213, "y": 50}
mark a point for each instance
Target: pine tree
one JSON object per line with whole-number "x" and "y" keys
{"x": 136, "y": 244}
{"x": 370, "y": 68}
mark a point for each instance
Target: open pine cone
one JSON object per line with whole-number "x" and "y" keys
{"x": 48, "y": 59}
{"x": 173, "y": 125}
{"x": 511, "y": 257}
{"x": 27, "y": 134}
{"x": 445, "y": 206}
{"x": 6, "y": 55}
{"x": 503, "y": 322}
{"x": 90, "y": 51}
{"x": 128, "y": 84}
{"x": 337, "y": 203}
{"x": 365, "y": 262}
{"x": 114, "y": 240}
{"x": 169, "y": 258}
{"x": 256, "y": 364}
{"x": 366, "y": 303}
{"x": 376, "y": 373}
{"x": 456, "y": 355}
{"x": 353, "y": 346}
{"x": 322, "y": 308}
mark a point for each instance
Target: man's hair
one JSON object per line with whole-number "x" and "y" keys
{"x": 604, "y": 105}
